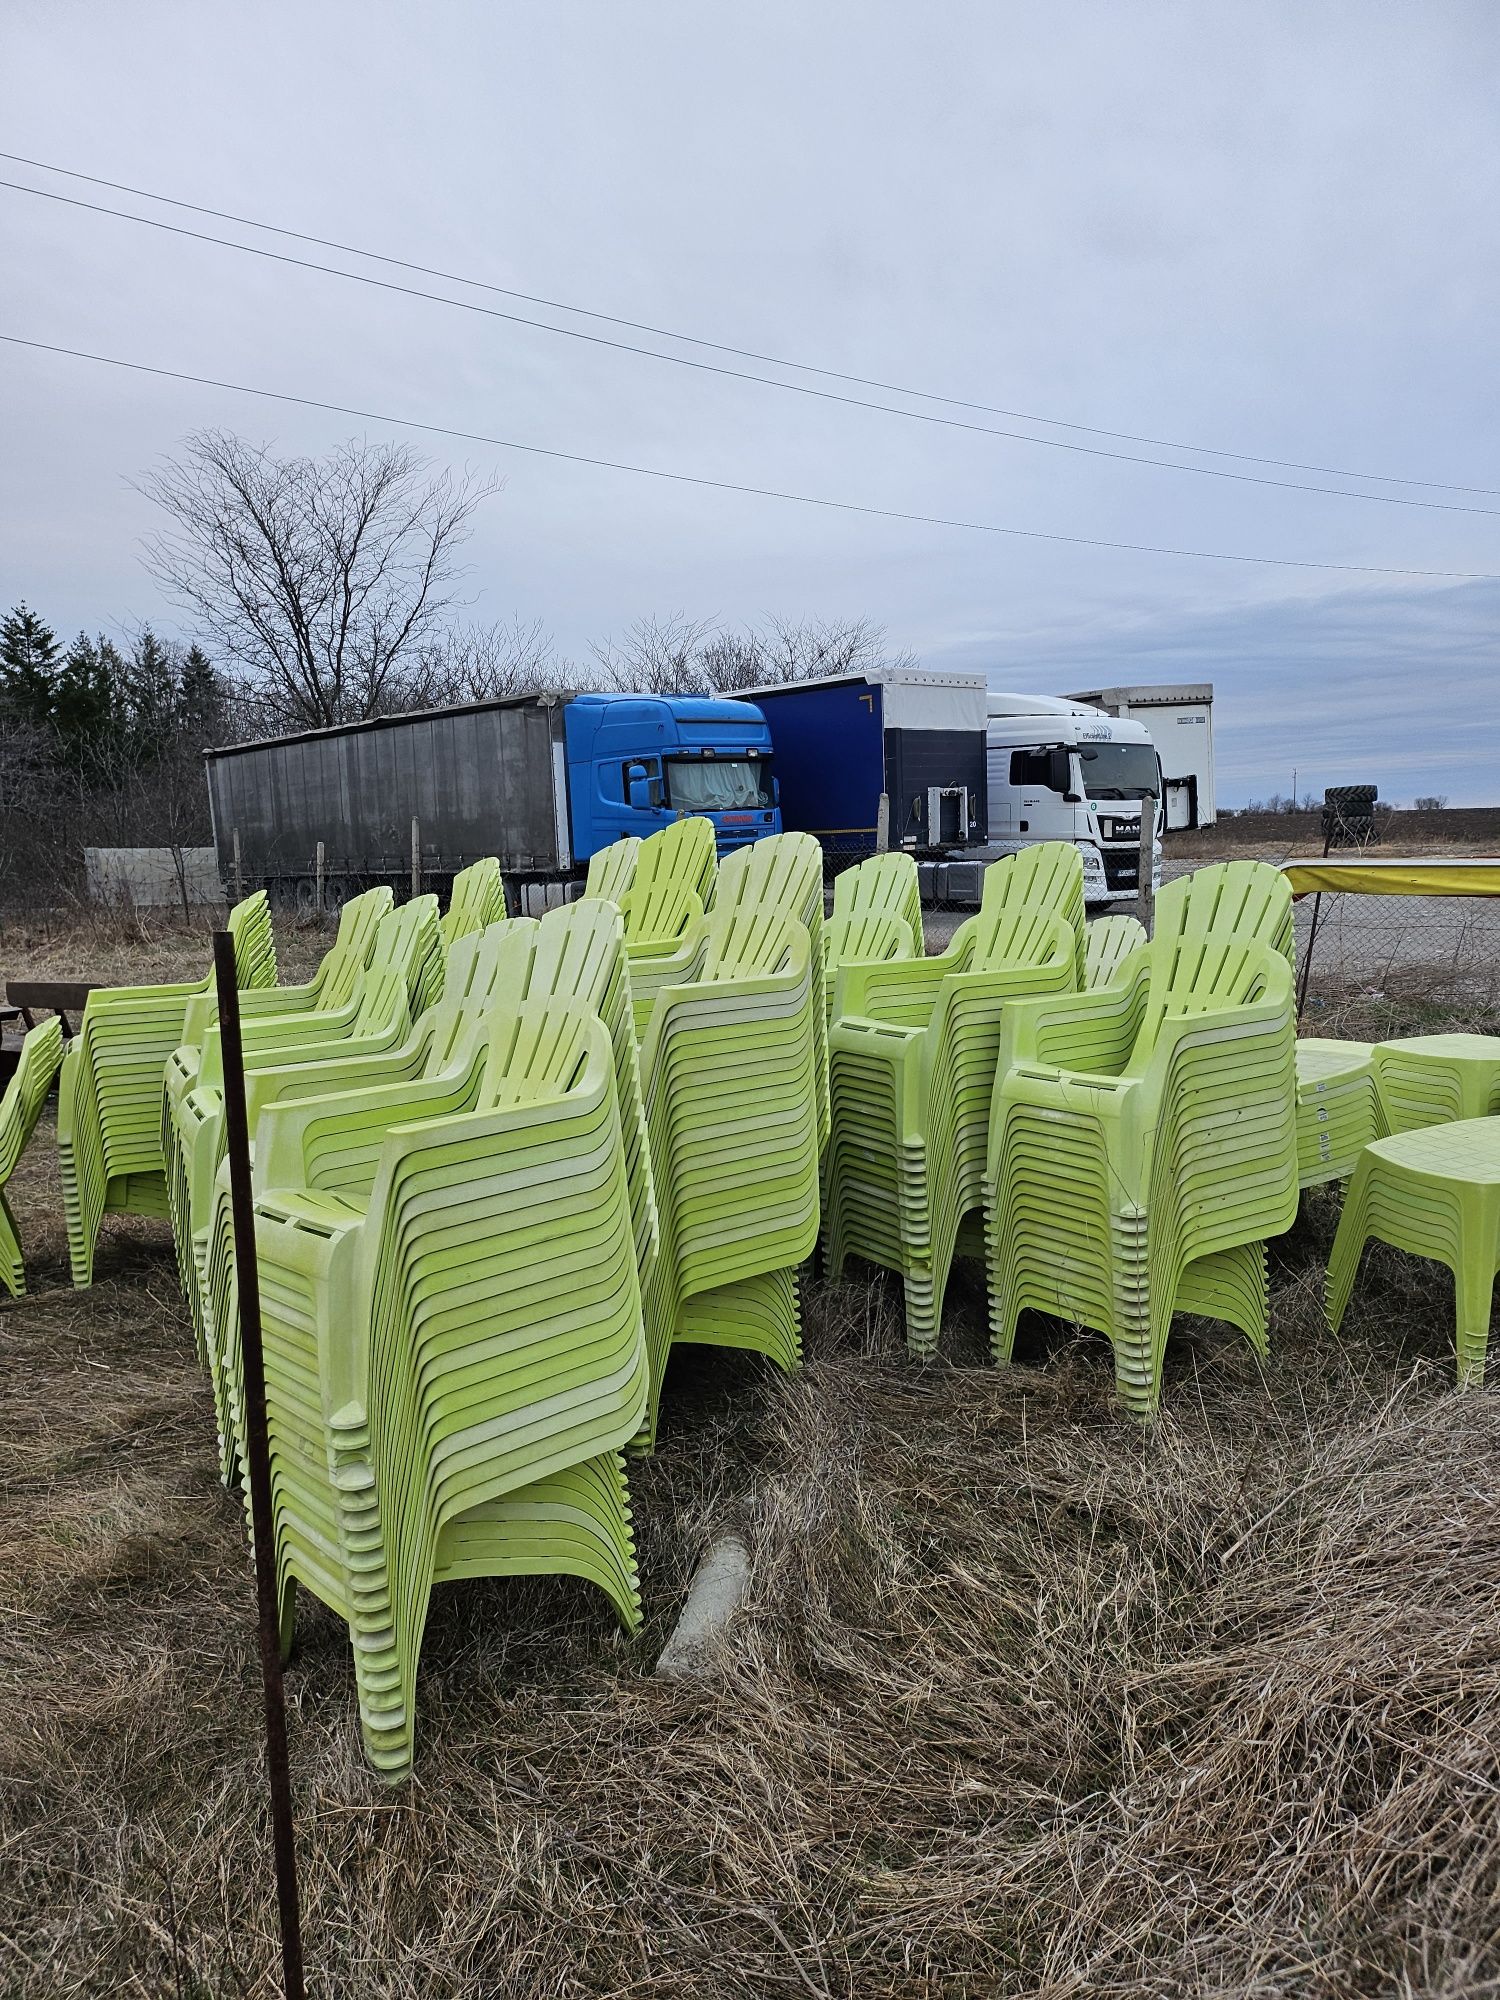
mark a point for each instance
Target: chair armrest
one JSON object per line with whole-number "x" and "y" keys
{"x": 902, "y": 992}
{"x": 324, "y": 1077}
{"x": 104, "y": 999}
{"x": 287, "y": 1132}
{"x": 1063, "y": 1030}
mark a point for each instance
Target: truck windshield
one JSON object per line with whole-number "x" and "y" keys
{"x": 716, "y": 784}
{"x": 1120, "y": 771}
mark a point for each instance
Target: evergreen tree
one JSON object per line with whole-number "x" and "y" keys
{"x": 200, "y": 699}
{"x": 90, "y": 706}
{"x": 150, "y": 694}
{"x": 28, "y": 666}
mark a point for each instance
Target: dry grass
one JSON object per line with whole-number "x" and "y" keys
{"x": 1026, "y": 1701}
{"x": 113, "y": 947}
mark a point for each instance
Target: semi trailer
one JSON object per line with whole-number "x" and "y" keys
{"x": 888, "y": 758}
{"x": 541, "y": 781}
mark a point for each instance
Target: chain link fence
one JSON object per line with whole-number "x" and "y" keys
{"x": 1412, "y": 956}
{"x": 1437, "y": 951}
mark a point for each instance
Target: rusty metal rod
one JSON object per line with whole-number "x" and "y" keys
{"x": 258, "y": 1466}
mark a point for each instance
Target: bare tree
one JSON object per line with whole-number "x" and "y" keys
{"x": 486, "y": 663}
{"x": 316, "y": 581}
{"x": 679, "y": 655}
{"x": 813, "y": 647}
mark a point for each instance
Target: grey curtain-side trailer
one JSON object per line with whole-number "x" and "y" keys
{"x": 484, "y": 778}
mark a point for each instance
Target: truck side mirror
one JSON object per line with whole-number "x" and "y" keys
{"x": 776, "y": 791}
{"x": 1059, "y": 770}
{"x": 640, "y": 789}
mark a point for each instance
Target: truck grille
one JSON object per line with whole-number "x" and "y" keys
{"x": 1121, "y": 871}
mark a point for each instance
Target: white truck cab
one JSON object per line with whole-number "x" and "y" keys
{"x": 1060, "y": 770}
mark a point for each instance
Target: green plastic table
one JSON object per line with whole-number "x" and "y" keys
{"x": 1435, "y": 1079}
{"x": 1434, "y": 1193}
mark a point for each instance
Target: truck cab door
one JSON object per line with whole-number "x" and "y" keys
{"x": 1036, "y": 805}
{"x": 638, "y": 783}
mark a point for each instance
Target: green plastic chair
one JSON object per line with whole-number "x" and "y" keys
{"x": 109, "y": 1095}
{"x": 1433, "y": 1191}
{"x": 671, "y": 887}
{"x": 1338, "y": 1108}
{"x": 877, "y": 918}
{"x": 333, "y": 991}
{"x": 1437, "y": 1079}
{"x": 785, "y": 872}
{"x": 885, "y": 885}
{"x": 658, "y": 915}
{"x": 1143, "y": 1142}
{"x": 1048, "y": 874}
{"x": 330, "y": 987}
{"x": 476, "y": 900}
{"x": 912, "y": 1069}
{"x": 402, "y": 979}
{"x": 20, "y": 1107}
{"x": 1250, "y": 897}
{"x": 611, "y": 870}
{"x": 730, "y": 1081}
{"x": 682, "y": 852}
{"x": 454, "y": 1347}
{"x": 1107, "y": 943}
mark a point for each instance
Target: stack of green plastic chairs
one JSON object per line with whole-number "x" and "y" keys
{"x": 20, "y": 1107}
{"x": 912, "y": 1069}
{"x": 476, "y": 900}
{"x": 1338, "y": 1108}
{"x": 1143, "y": 1143}
{"x": 785, "y": 872}
{"x": 453, "y": 1341}
{"x": 1107, "y": 943}
{"x": 729, "y": 1075}
{"x": 333, "y": 991}
{"x": 1437, "y": 1079}
{"x": 877, "y": 917}
{"x": 109, "y": 1097}
{"x": 575, "y": 954}
{"x": 671, "y": 888}
{"x": 484, "y": 969}
{"x": 403, "y": 979}
{"x": 611, "y": 869}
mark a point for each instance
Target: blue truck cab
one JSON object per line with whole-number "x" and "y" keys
{"x": 636, "y": 762}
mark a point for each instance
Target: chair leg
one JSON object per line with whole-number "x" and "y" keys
{"x": 12, "y": 1263}
{"x": 1474, "y": 1290}
{"x": 1348, "y": 1245}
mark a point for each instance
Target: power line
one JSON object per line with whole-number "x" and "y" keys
{"x": 743, "y": 353}
{"x": 736, "y": 486}
{"x": 736, "y": 374}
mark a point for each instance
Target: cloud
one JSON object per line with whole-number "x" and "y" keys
{"x": 1264, "y": 228}
{"x": 1396, "y": 688}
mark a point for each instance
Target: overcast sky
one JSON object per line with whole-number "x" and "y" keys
{"x": 1266, "y": 229}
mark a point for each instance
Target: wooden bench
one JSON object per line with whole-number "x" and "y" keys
{"x": 57, "y": 996}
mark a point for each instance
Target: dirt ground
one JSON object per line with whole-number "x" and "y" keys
{"x": 1473, "y": 830}
{"x": 1025, "y": 1700}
